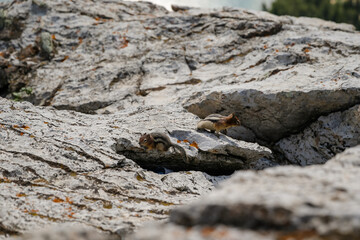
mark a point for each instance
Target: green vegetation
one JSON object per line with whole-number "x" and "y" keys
{"x": 335, "y": 10}
{"x": 23, "y": 93}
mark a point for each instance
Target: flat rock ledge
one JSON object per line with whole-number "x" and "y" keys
{"x": 316, "y": 202}
{"x": 205, "y": 151}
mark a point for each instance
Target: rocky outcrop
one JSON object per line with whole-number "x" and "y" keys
{"x": 102, "y": 74}
{"x": 278, "y": 74}
{"x": 323, "y": 139}
{"x": 317, "y": 202}
{"x": 60, "y": 166}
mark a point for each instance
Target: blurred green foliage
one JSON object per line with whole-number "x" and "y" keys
{"x": 335, "y": 10}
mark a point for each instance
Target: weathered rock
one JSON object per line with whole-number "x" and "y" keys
{"x": 279, "y": 74}
{"x": 205, "y": 151}
{"x": 323, "y": 139}
{"x": 128, "y": 54}
{"x": 69, "y": 231}
{"x": 172, "y": 231}
{"x": 59, "y": 166}
{"x": 317, "y": 202}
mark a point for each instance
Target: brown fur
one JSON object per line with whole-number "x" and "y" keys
{"x": 160, "y": 142}
{"x": 217, "y": 123}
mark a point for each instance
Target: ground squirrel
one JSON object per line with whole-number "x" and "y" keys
{"x": 160, "y": 142}
{"x": 216, "y": 122}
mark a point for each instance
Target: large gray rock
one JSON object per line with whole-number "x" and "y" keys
{"x": 317, "y": 202}
{"x": 142, "y": 65}
{"x": 323, "y": 139}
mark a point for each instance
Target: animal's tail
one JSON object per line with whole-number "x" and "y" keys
{"x": 182, "y": 151}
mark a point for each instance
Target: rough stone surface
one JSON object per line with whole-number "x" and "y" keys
{"x": 112, "y": 70}
{"x": 323, "y": 139}
{"x": 172, "y": 231}
{"x": 58, "y": 166}
{"x": 205, "y": 151}
{"x": 317, "y": 202}
{"x": 69, "y": 231}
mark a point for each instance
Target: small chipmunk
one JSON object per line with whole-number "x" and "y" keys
{"x": 216, "y": 122}
{"x": 160, "y": 142}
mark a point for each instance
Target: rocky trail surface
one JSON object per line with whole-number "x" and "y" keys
{"x": 81, "y": 81}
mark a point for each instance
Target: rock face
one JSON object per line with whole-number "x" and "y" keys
{"x": 96, "y": 75}
{"x": 317, "y": 202}
{"x": 323, "y": 139}
{"x": 59, "y": 166}
{"x": 278, "y": 74}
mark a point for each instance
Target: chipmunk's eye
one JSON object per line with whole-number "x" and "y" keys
{"x": 145, "y": 140}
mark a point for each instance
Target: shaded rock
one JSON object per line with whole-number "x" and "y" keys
{"x": 172, "y": 231}
{"x": 315, "y": 202}
{"x": 3, "y": 80}
{"x": 323, "y": 139}
{"x": 10, "y": 27}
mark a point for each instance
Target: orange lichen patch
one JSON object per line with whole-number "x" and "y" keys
{"x": 21, "y": 133}
{"x": 65, "y": 58}
{"x": 20, "y": 194}
{"x": 195, "y": 145}
{"x": 277, "y": 50}
{"x": 46, "y": 122}
{"x": 185, "y": 141}
{"x": 57, "y": 200}
{"x": 124, "y": 42}
{"x": 53, "y": 37}
{"x": 67, "y": 199}
{"x": 306, "y": 50}
{"x": 207, "y": 231}
{"x": 4, "y": 180}
{"x": 220, "y": 234}
{"x": 2, "y": 54}
{"x": 33, "y": 212}
{"x": 97, "y": 18}
{"x": 16, "y": 126}
{"x": 71, "y": 215}
{"x": 107, "y": 205}
{"x": 80, "y": 40}
{"x": 265, "y": 47}
{"x": 140, "y": 178}
{"x": 32, "y": 136}
{"x": 178, "y": 141}
{"x": 299, "y": 235}
{"x": 25, "y": 127}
